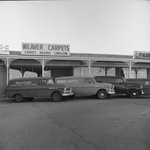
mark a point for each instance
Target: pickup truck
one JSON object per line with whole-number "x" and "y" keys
{"x": 145, "y": 82}
{"x": 133, "y": 90}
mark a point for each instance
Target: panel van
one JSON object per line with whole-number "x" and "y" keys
{"x": 87, "y": 86}
{"x": 37, "y": 87}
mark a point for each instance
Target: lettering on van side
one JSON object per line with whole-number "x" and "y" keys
{"x": 67, "y": 81}
{"x": 52, "y": 88}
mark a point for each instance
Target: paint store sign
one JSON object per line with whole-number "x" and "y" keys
{"x": 141, "y": 55}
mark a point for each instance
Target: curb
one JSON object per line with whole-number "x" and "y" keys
{"x": 4, "y": 99}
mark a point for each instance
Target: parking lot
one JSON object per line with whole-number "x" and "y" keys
{"x": 80, "y": 124}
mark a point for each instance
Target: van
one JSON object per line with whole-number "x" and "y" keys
{"x": 38, "y": 87}
{"x": 87, "y": 86}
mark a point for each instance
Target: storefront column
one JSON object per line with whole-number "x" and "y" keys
{"x": 43, "y": 63}
{"x": 130, "y": 64}
{"x": 7, "y": 62}
{"x": 7, "y": 65}
{"x": 81, "y": 71}
{"x": 106, "y": 70}
{"x": 89, "y": 64}
{"x": 89, "y": 67}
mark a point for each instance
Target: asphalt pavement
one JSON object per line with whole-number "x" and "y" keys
{"x": 79, "y": 124}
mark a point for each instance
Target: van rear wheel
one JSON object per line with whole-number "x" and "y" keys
{"x": 18, "y": 98}
{"x": 56, "y": 96}
{"x": 102, "y": 94}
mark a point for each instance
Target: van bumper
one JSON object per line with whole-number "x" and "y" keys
{"x": 110, "y": 92}
{"x": 67, "y": 94}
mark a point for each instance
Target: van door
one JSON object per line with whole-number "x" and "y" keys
{"x": 27, "y": 88}
{"x": 84, "y": 87}
{"x": 42, "y": 89}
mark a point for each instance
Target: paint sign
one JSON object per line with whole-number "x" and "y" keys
{"x": 141, "y": 55}
{"x": 4, "y": 49}
{"x": 45, "y": 49}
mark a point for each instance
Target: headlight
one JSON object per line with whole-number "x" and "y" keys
{"x": 65, "y": 89}
{"x": 111, "y": 87}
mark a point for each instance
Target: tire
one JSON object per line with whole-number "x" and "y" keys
{"x": 102, "y": 94}
{"x": 56, "y": 96}
{"x": 29, "y": 99}
{"x": 18, "y": 98}
{"x": 134, "y": 94}
{"x": 72, "y": 96}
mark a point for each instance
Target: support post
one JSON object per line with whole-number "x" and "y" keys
{"x": 7, "y": 65}
{"x": 43, "y": 65}
{"x": 130, "y": 69}
{"x": 89, "y": 64}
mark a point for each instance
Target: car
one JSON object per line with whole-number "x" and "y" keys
{"x": 145, "y": 82}
{"x": 133, "y": 90}
{"x": 87, "y": 86}
{"x": 36, "y": 87}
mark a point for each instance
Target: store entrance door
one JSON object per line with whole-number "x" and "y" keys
{"x": 59, "y": 72}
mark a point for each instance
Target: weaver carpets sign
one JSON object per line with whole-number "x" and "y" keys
{"x": 141, "y": 55}
{"x": 45, "y": 49}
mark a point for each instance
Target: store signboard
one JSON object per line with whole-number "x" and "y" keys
{"x": 4, "y": 49}
{"x": 45, "y": 49}
{"x": 141, "y": 55}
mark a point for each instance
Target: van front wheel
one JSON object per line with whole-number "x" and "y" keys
{"x": 102, "y": 94}
{"x": 56, "y": 96}
{"x": 18, "y": 98}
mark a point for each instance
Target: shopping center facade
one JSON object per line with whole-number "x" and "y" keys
{"x": 71, "y": 64}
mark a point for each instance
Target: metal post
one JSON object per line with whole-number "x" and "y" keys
{"x": 43, "y": 67}
{"x": 130, "y": 67}
{"x": 7, "y": 65}
{"x": 89, "y": 66}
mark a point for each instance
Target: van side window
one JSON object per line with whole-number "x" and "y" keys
{"x": 87, "y": 80}
{"x": 42, "y": 82}
{"x": 50, "y": 81}
{"x": 119, "y": 80}
{"x": 147, "y": 83}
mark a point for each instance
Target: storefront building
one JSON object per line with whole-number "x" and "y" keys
{"x": 27, "y": 64}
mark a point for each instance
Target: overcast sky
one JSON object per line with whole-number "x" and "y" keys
{"x": 89, "y": 26}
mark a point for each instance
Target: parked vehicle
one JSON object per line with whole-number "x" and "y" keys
{"x": 133, "y": 90}
{"x": 87, "y": 86}
{"x": 39, "y": 87}
{"x": 144, "y": 82}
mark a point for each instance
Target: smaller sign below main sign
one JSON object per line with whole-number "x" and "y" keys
{"x": 45, "y": 49}
{"x": 141, "y": 55}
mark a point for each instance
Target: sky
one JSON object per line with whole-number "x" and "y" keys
{"x": 88, "y": 26}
